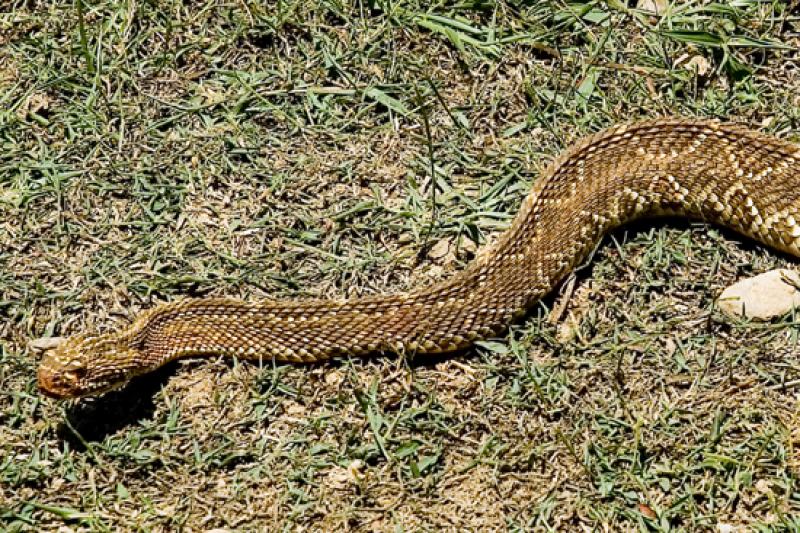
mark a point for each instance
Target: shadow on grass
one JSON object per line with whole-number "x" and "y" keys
{"x": 93, "y": 419}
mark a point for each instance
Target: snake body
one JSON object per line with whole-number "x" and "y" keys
{"x": 701, "y": 169}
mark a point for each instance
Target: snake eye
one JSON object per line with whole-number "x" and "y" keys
{"x": 75, "y": 374}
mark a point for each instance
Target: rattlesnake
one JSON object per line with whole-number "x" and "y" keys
{"x": 701, "y": 169}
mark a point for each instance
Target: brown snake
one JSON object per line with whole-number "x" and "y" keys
{"x": 721, "y": 173}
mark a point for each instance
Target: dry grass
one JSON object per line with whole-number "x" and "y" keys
{"x": 152, "y": 150}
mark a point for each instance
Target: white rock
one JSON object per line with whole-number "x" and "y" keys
{"x": 762, "y": 297}
{"x": 653, "y": 6}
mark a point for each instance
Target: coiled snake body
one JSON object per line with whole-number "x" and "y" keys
{"x": 722, "y": 173}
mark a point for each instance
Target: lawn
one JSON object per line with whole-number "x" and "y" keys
{"x": 314, "y": 148}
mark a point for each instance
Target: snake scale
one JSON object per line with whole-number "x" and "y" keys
{"x": 701, "y": 169}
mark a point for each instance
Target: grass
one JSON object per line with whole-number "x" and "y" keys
{"x": 154, "y": 150}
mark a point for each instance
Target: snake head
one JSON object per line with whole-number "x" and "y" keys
{"x": 85, "y": 365}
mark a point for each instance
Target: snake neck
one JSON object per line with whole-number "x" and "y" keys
{"x": 699, "y": 169}
{"x": 442, "y": 318}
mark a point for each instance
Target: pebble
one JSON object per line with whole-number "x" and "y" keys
{"x": 763, "y": 297}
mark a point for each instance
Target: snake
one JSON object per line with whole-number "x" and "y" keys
{"x": 700, "y": 169}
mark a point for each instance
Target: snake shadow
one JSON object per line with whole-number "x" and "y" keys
{"x": 90, "y": 420}
{"x": 94, "y": 419}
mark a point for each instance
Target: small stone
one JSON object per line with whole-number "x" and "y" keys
{"x": 647, "y": 511}
{"x": 656, "y": 7}
{"x": 699, "y": 64}
{"x": 762, "y": 486}
{"x": 439, "y": 250}
{"x": 333, "y": 377}
{"x": 763, "y": 297}
{"x": 356, "y": 471}
{"x": 568, "y": 330}
{"x": 468, "y": 247}
{"x": 342, "y": 478}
